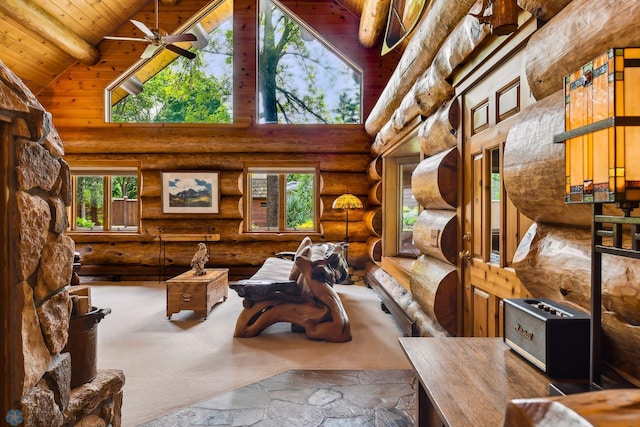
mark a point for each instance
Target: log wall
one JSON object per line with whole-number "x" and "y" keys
{"x": 76, "y": 102}
{"x": 553, "y": 259}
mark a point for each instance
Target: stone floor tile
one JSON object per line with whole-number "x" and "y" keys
{"x": 292, "y": 395}
{"x": 323, "y": 397}
{"x": 298, "y": 398}
{"x": 376, "y": 395}
{"x": 250, "y": 396}
{"x": 361, "y": 421}
{"x": 343, "y": 408}
{"x": 295, "y": 414}
{"x": 392, "y": 418}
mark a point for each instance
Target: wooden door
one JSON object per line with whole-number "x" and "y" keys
{"x": 491, "y": 225}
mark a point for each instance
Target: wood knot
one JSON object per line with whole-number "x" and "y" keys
{"x": 563, "y": 291}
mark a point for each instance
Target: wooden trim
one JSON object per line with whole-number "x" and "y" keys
{"x": 399, "y": 269}
{"x": 491, "y": 56}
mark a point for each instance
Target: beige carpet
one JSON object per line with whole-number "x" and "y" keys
{"x": 171, "y": 364}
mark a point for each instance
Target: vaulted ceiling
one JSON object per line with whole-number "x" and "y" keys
{"x": 40, "y": 39}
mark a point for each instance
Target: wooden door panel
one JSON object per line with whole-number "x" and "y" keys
{"x": 480, "y": 312}
{"x": 489, "y": 109}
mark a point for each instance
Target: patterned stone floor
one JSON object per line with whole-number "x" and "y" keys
{"x": 384, "y": 398}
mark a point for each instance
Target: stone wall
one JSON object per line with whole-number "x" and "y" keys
{"x": 41, "y": 263}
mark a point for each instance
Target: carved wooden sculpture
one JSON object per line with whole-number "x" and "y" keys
{"x": 308, "y": 301}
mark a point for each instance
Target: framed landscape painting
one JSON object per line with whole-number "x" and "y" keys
{"x": 190, "y": 192}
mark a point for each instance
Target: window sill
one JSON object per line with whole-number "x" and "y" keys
{"x": 399, "y": 268}
{"x": 283, "y": 233}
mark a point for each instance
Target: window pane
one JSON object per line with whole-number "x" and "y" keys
{"x": 299, "y": 196}
{"x": 409, "y": 211}
{"x": 169, "y": 88}
{"x": 301, "y": 79}
{"x": 496, "y": 190}
{"x": 124, "y": 203}
{"x": 89, "y": 202}
{"x": 265, "y": 199}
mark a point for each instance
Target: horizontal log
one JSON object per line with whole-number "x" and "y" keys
{"x": 551, "y": 51}
{"x": 612, "y": 407}
{"x": 375, "y": 194}
{"x": 373, "y": 221}
{"x": 389, "y": 136}
{"x": 375, "y": 169}
{"x": 424, "y": 98}
{"x": 330, "y": 214}
{"x": 337, "y": 183}
{"x": 555, "y": 262}
{"x": 329, "y": 162}
{"x": 223, "y": 253}
{"x": 432, "y": 89}
{"x": 228, "y": 209}
{"x": 438, "y": 132}
{"x": 52, "y": 29}
{"x": 440, "y": 20}
{"x": 374, "y": 245}
{"x": 435, "y": 234}
{"x": 434, "y": 181}
{"x": 468, "y": 34}
{"x": 148, "y": 139}
{"x": 534, "y": 166}
{"x": 621, "y": 344}
{"x": 373, "y": 20}
{"x": 543, "y": 10}
{"x": 434, "y": 285}
{"x": 335, "y": 231}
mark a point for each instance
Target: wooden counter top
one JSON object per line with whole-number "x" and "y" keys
{"x": 469, "y": 381}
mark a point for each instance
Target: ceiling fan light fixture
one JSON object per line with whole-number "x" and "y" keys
{"x": 157, "y": 39}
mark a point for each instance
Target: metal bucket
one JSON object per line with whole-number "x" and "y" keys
{"x": 82, "y": 345}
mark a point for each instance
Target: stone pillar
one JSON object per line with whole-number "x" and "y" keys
{"x": 40, "y": 260}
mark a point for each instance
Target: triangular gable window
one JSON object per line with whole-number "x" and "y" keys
{"x": 169, "y": 88}
{"x": 302, "y": 79}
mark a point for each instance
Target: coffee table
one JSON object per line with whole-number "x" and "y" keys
{"x": 198, "y": 293}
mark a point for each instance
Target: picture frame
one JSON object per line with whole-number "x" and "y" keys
{"x": 196, "y": 192}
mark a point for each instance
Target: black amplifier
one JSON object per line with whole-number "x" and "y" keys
{"x": 553, "y": 337}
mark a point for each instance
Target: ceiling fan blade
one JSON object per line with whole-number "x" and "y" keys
{"x": 181, "y": 51}
{"x": 131, "y": 39}
{"x": 145, "y": 30}
{"x": 149, "y": 51}
{"x": 180, "y": 38}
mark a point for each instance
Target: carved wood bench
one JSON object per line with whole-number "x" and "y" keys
{"x": 305, "y": 298}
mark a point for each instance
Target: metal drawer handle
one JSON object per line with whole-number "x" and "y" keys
{"x": 186, "y": 297}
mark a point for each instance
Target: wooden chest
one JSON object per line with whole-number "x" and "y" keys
{"x": 198, "y": 293}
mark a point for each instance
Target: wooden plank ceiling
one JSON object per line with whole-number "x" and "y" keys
{"x": 40, "y": 39}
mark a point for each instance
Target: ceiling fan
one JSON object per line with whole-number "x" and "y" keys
{"x": 158, "y": 39}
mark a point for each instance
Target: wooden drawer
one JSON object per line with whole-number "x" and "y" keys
{"x": 187, "y": 296}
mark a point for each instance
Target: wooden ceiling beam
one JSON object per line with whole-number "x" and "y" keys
{"x": 373, "y": 21}
{"x": 41, "y": 22}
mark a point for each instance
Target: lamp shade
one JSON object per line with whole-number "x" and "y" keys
{"x": 347, "y": 201}
{"x": 602, "y": 123}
